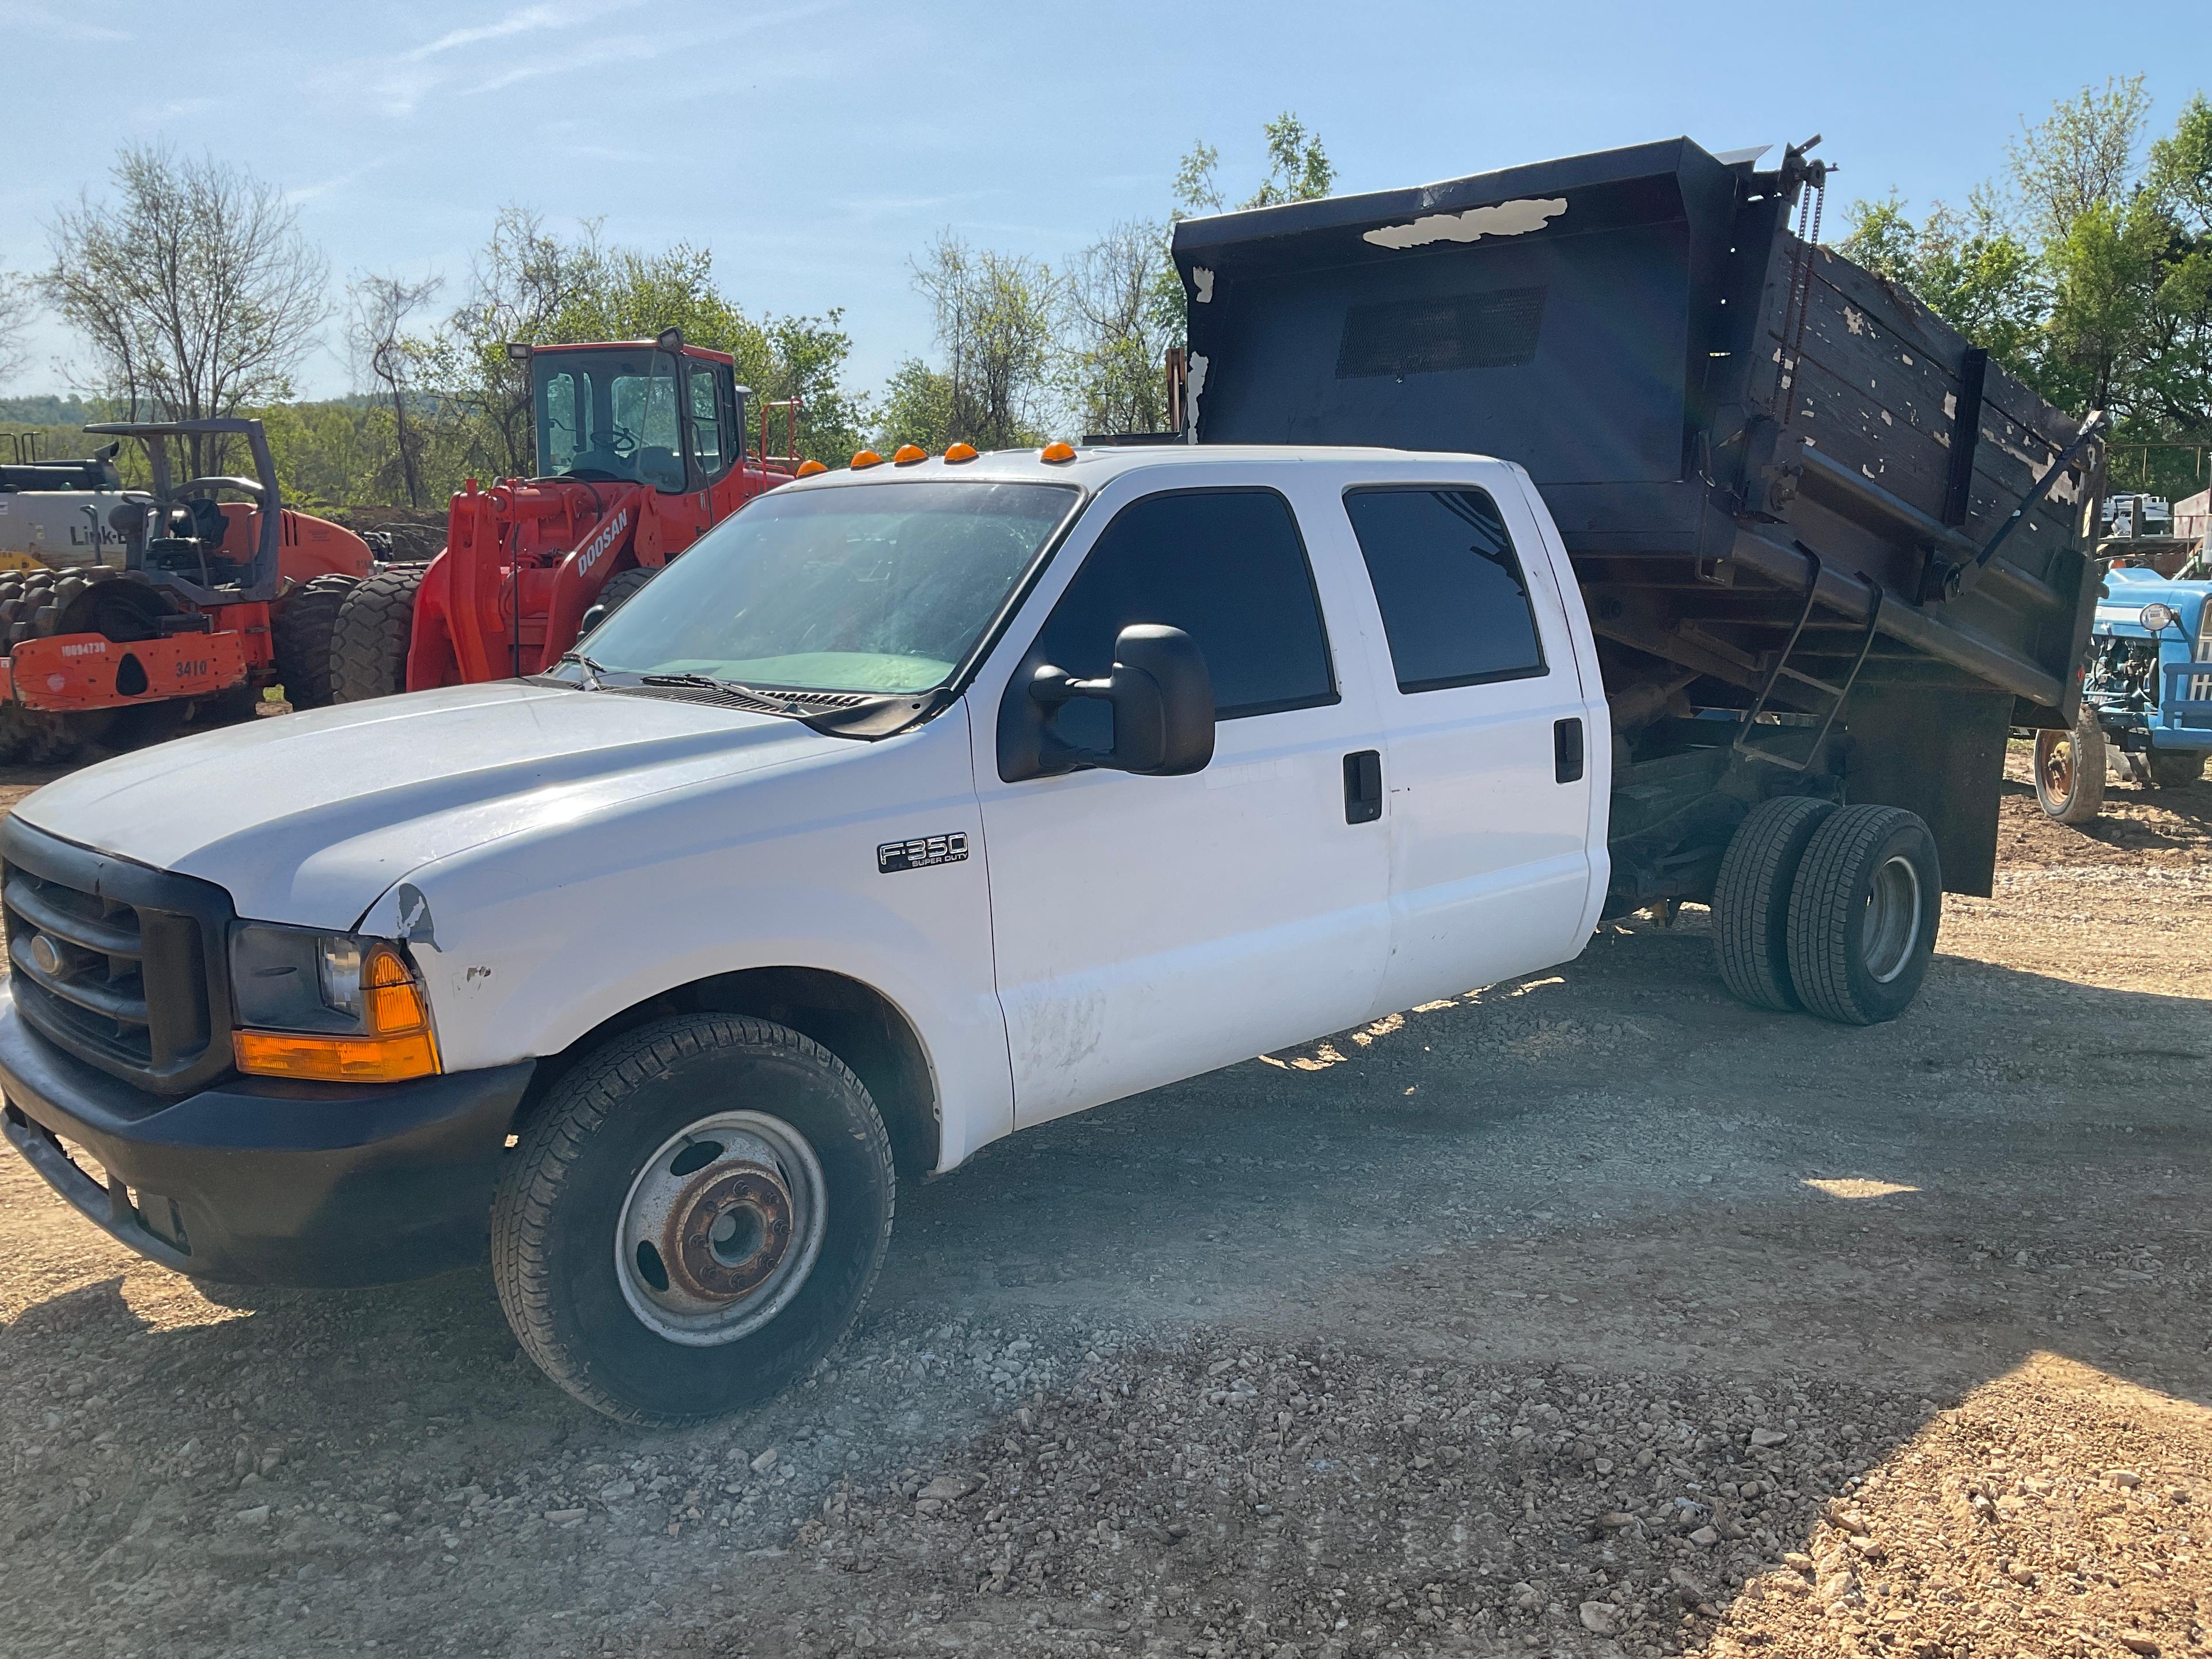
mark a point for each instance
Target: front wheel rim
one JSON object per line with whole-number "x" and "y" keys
{"x": 720, "y": 1228}
{"x": 1893, "y": 919}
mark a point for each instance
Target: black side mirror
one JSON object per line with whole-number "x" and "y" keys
{"x": 1162, "y": 702}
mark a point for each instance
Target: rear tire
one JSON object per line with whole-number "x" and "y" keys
{"x": 1751, "y": 899}
{"x": 620, "y": 589}
{"x": 1863, "y": 915}
{"x": 2175, "y": 768}
{"x": 368, "y": 657}
{"x": 2069, "y": 770}
{"x": 667, "y": 1136}
{"x": 306, "y": 628}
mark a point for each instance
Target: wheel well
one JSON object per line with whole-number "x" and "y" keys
{"x": 852, "y": 1020}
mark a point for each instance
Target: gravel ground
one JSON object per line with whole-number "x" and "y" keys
{"x": 1590, "y": 1315}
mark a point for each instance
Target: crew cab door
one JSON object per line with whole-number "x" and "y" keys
{"x": 1492, "y": 753}
{"x": 1150, "y": 928}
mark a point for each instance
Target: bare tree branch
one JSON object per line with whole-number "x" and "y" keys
{"x": 195, "y": 291}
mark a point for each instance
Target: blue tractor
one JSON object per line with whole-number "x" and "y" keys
{"x": 2146, "y": 692}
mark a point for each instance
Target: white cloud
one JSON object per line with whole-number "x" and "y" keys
{"x": 525, "y": 21}
{"x": 304, "y": 193}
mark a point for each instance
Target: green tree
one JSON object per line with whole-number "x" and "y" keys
{"x": 2087, "y": 273}
{"x": 995, "y": 317}
{"x": 1117, "y": 332}
{"x": 1967, "y": 267}
{"x": 917, "y": 407}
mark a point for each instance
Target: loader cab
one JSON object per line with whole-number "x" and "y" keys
{"x": 634, "y": 414}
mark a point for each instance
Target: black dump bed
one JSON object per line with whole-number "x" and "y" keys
{"x": 1725, "y": 423}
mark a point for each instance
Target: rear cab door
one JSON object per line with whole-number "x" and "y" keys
{"x": 1498, "y": 750}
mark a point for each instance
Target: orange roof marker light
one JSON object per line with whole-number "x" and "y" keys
{"x": 864, "y": 459}
{"x": 961, "y": 452}
{"x": 808, "y": 469}
{"x": 908, "y": 454}
{"x": 1057, "y": 452}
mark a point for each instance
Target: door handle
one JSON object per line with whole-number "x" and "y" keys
{"x": 1363, "y": 787}
{"x": 1567, "y": 750}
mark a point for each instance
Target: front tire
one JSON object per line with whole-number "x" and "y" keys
{"x": 694, "y": 1218}
{"x": 1863, "y": 915}
{"x": 2069, "y": 770}
{"x": 368, "y": 655}
{"x": 305, "y": 638}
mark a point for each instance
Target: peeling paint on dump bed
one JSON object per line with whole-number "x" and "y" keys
{"x": 1506, "y": 219}
{"x": 1194, "y": 384}
{"x": 1201, "y": 282}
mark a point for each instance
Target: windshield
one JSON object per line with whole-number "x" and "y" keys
{"x": 885, "y": 588}
{"x": 608, "y": 415}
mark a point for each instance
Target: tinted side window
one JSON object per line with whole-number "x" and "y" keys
{"x": 1454, "y": 603}
{"x": 1228, "y": 568}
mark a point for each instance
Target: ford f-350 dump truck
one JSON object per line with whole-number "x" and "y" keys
{"x": 915, "y": 805}
{"x": 923, "y": 802}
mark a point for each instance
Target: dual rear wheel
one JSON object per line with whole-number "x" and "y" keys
{"x": 1833, "y": 909}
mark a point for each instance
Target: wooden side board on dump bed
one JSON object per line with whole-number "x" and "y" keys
{"x": 1774, "y": 471}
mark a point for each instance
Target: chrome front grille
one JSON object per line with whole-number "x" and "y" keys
{"x": 118, "y": 964}
{"x": 85, "y": 953}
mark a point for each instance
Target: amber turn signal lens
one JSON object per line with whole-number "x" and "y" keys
{"x": 908, "y": 454}
{"x": 391, "y": 998}
{"x": 336, "y": 1059}
{"x": 1055, "y": 453}
{"x": 396, "y": 1046}
{"x": 864, "y": 457}
{"x": 961, "y": 452}
{"x": 808, "y": 469}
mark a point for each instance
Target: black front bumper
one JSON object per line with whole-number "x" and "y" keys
{"x": 262, "y": 1180}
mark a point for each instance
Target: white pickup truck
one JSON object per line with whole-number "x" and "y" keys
{"x": 918, "y": 804}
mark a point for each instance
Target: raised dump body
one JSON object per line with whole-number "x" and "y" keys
{"x": 1777, "y": 475}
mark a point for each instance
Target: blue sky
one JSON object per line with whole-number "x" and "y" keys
{"x": 814, "y": 145}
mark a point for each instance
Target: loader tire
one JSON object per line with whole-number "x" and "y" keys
{"x": 742, "y": 1175}
{"x": 2069, "y": 770}
{"x": 621, "y": 588}
{"x": 369, "y": 657}
{"x": 305, "y": 629}
{"x": 1863, "y": 915}
{"x": 1751, "y": 899}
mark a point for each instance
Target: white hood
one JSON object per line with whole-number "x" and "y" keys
{"x": 307, "y": 818}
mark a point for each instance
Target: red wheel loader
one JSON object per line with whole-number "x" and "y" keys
{"x": 641, "y": 450}
{"x": 162, "y": 600}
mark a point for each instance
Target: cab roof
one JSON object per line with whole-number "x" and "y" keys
{"x": 1096, "y": 465}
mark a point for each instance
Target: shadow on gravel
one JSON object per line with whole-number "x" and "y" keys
{"x": 1388, "y": 1324}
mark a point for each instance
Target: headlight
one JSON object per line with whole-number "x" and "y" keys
{"x": 328, "y": 1006}
{"x": 2156, "y": 617}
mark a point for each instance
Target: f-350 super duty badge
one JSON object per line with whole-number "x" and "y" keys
{"x": 920, "y": 853}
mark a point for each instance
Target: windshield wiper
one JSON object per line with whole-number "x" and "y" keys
{"x": 735, "y": 690}
{"x": 592, "y": 669}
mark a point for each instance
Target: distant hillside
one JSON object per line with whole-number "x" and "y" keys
{"x": 48, "y": 411}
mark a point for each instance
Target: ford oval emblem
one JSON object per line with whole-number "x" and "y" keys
{"x": 46, "y": 954}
